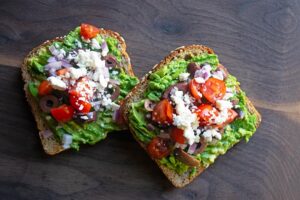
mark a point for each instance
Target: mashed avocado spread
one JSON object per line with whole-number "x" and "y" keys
{"x": 82, "y": 133}
{"x": 159, "y": 81}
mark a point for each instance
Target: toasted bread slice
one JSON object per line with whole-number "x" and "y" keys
{"x": 50, "y": 144}
{"x": 137, "y": 94}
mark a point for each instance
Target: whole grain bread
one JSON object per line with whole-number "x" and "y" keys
{"x": 50, "y": 144}
{"x": 137, "y": 93}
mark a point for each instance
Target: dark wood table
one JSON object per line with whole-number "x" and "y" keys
{"x": 258, "y": 41}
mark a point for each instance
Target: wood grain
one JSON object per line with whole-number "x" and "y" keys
{"x": 258, "y": 41}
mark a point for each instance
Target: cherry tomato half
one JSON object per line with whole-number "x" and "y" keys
{"x": 163, "y": 112}
{"x": 205, "y": 113}
{"x": 177, "y": 135}
{"x": 158, "y": 148}
{"x": 62, "y": 113}
{"x": 213, "y": 89}
{"x": 231, "y": 116}
{"x": 88, "y": 31}
{"x": 195, "y": 89}
{"x": 79, "y": 102}
{"x": 45, "y": 88}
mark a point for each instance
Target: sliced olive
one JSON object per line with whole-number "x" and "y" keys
{"x": 62, "y": 96}
{"x": 240, "y": 113}
{"x": 192, "y": 68}
{"x": 89, "y": 117}
{"x": 116, "y": 92}
{"x": 47, "y": 102}
{"x": 180, "y": 86}
{"x": 201, "y": 147}
{"x": 186, "y": 158}
{"x": 110, "y": 61}
{"x": 149, "y": 105}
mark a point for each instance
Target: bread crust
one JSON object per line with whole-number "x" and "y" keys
{"x": 50, "y": 144}
{"x": 138, "y": 91}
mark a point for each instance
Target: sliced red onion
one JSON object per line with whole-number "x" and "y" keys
{"x": 95, "y": 103}
{"x": 52, "y": 72}
{"x": 192, "y": 148}
{"x": 149, "y": 105}
{"x": 104, "y": 48}
{"x": 66, "y": 64}
{"x": 53, "y": 65}
{"x": 164, "y": 135}
{"x": 229, "y": 90}
{"x": 53, "y": 50}
{"x": 105, "y": 72}
{"x": 218, "y": 75}
{"x": 51, "y": 59}
{"x": 204, "y": 72}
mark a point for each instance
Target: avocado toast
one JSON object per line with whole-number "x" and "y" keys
{"x": 187, "y": 111}
{"x": 75, "y": 86}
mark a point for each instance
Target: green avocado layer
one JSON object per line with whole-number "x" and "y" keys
{"x": 82, "y": 133}
{"x": 159, "y": 81}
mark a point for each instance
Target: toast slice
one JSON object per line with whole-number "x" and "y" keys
{"x": 52, "y": 144}
{"x": 140, "y": 92}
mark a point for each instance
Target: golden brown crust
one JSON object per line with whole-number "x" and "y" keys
{"x": 137, "y": 93}
{"x": 49, "y": 142}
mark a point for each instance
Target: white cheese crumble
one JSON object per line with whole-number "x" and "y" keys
{"x": 61, "y": 54}
{"x": 76, "y": 73}
{"x": 223, "y": 104}
{"x": 221, "y": 118}
{"x": 209, "y": 134}
{"x": 228, "y": 95}
{"x": 184, "y": 76}
{"x": 104, "y": 48}
{"x": 201, "y": 75}
{"x": 218, "y": 75}
{"x": 184, "y": 119}
{"x": 95, "y": 44}
{"x": 200, "y": 80}
{"x": 89, "y": 59}
{"x": 56, "y": 83}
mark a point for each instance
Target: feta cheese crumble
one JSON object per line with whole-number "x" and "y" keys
{"x": 184, "y": 119}
{"x": 209, "y": 134}
{"x": 57, "y": 83}
{"x": 184, "y": 76}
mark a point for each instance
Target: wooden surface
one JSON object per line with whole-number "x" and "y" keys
{"x": 258, "y": 41}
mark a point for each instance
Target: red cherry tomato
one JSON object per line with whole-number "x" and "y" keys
{"x": 213, "y": 89}
{"x": 61, "y": 72}
{"x": 231, "y": 116}
{"x": 163, "y": 112}
{"x": 83, "y": 88}
{"x": 158, "y": 148}
{"x": 205, "y": 113}
{"x": 80, "y": 103}
{"x": 88, "y": 31}
{"x": 177, "y": 135}
{"x": 195, "y": 89}
{"x": 62, "y": 113}
{"x": 45, "y": 88}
